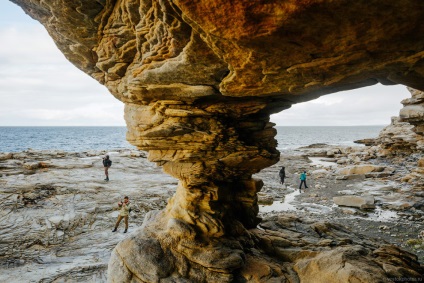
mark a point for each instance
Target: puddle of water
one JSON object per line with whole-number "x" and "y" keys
{"x": 316, "y": 208}
{"x": 281, "y": 205}
{"x": 383, "y": 215}
{"x": 319, "y": 161}
{"x": 378, "y": 214}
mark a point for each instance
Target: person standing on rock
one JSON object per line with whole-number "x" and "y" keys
{"x": 282, "y": 175}
{"x": 124, "y": 212}
{"x": 106, "y": 164}
{"x": 303, "y": 180}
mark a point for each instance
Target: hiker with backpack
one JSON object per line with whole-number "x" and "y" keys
{"x": 106, "y": 164}
{"x": 124, "y": 211}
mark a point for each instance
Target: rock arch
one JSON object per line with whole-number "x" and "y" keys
{"x": 199, "y": 80}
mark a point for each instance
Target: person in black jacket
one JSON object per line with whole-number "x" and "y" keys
{"x": 282, "y": 175}
{"x": 107, "y": 163}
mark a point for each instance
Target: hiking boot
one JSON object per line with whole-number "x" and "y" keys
{"x": 107, "y": 179}
{"x": 125, "y": 231}
{"x": 114, "y": 230}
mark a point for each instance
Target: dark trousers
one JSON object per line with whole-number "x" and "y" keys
{"x": 119, "y": 220}
{"x": 303, "y": 182}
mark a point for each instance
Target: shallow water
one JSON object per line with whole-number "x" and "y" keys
{"x": 322, "y": 162}
{"x": 383, "y": 215}
{"x": 315, "y": 208}
{"x": 284, "y": 205}
{"x": 378, "y": 214}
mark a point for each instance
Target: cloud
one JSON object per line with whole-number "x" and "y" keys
{"x": 38, "y": 86}
{"x": 99, "y": 114}
{"x": 372, "y": 105}
{"x": 28, "y": 45}
{"x": 90, "y": 111}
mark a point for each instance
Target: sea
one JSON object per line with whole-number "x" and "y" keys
{"x": 76, "y": 139}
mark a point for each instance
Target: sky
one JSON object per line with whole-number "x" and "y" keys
{"x": 39, "y": 87}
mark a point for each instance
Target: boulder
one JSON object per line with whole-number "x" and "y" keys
{"x": 360, "y": 169}
{"x": 363, "y": 202}
{"x": 339, "y": 265}
{"x": 265, "y": 199}
{"x": 31, "y": 165}
{"x": 320, "y": 173}
{"x": 410, "y": 112}
{"x": 6, "y": 155}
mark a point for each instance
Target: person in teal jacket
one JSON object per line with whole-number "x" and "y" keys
{"x": 303, "y": 180}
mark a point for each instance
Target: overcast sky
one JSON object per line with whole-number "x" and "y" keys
{"x": 39, "y": 87}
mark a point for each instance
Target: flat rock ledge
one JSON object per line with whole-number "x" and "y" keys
{"x": 283, "y": 248}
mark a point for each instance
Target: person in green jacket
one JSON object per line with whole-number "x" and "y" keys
{"x": 303, "y": 180}
{"x": 124, "y": 211}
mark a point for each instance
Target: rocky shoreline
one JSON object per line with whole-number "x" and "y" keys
{"x": 397, "y": 211}
{"x": 57, "y": 212}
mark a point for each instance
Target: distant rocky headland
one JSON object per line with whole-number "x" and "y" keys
{"x": 200, "y": 80}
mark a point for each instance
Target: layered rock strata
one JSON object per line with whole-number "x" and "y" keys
{"x": 405, "y": 134}
{"x": 152, "y": 49}
{"x": 200, "y": 79}
{"x": 66, "y": 211}
{"x": 403, "y": 139}
{"x": 213, "y": 148}
{"x": 57, "y": 212}
{"x": 283, "y": 249}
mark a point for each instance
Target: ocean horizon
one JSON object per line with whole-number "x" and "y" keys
{"x": 84, "y": 138}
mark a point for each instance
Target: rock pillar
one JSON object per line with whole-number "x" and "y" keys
{"x": 213, "y": 148}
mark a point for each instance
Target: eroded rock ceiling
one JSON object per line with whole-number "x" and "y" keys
{"x": 144, "y": 50}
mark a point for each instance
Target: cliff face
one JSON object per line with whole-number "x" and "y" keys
{"x": 405, "y": 134}
{"x": 200, "y": 79}
{"x": 403, "y": 139}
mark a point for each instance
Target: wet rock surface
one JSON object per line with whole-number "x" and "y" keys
{"x": 395, "y": 219}
{"x": 56, "y": 218}
{"x": 56, "y": 221}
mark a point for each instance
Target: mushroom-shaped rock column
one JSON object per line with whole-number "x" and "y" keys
{"x": 213, "y": 148}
